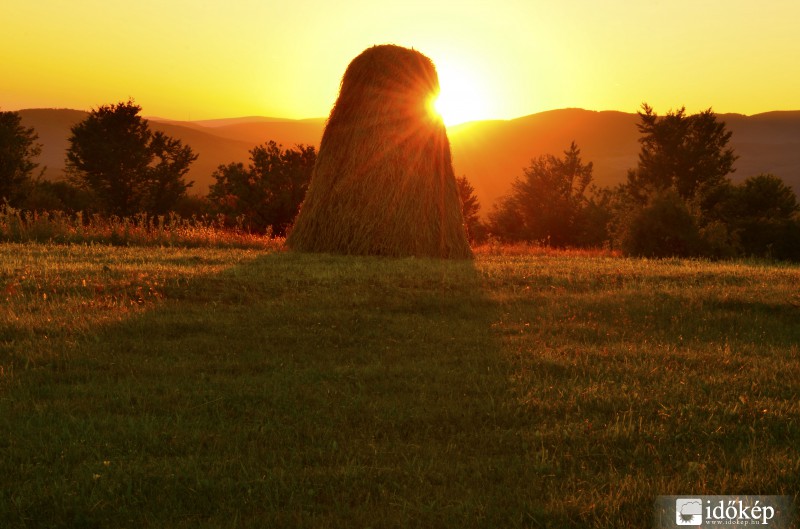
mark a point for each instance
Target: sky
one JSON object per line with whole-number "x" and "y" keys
{"x": 497, "y": 59}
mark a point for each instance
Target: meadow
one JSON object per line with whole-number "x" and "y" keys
{"x": 166, "y": 386}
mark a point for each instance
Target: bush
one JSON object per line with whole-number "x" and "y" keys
{"x": 719, "y": 241}
{"x": 663, "y": 228}
{"x": 58, "y": 196}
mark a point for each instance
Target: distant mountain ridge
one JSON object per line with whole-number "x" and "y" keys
{"x": 490, "y": 153}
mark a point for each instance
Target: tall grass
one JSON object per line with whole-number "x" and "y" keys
{"x": 141, "y": 230}
{"x": 494, "y": 248}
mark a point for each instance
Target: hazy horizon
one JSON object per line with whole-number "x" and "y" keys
{"x": 245, "y": 118}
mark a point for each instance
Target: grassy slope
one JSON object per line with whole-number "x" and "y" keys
{"x": 231, "y": 388}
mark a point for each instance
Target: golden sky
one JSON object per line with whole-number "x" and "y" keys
{"x": 201, "y": 59}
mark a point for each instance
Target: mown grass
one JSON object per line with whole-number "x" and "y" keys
{"x": 169, "y": 387}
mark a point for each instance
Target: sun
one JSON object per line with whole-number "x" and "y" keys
{"x": 461, "y": 98}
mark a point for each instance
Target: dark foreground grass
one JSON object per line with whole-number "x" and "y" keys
{"x": 234, "y": 388}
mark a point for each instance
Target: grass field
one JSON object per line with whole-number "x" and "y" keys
{"x": 167, "y": 387}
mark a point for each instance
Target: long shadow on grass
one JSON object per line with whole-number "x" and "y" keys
{"x": 293, "y": 391}
{"x": 322, "y": 391}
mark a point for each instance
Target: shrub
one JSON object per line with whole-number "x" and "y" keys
{"x": 662, "y": 228}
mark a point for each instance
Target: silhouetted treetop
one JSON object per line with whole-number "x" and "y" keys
{"x": 689, "y": 153}
{"x": 547, "y": 202}
{"x": 130, "y": 169}
{"x": 18, "y": 149}
{"x": 267, "y": 193}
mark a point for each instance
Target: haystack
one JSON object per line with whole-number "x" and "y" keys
{"x": 383, "y": 183}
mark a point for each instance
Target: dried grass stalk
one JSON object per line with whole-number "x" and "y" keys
{"x": 383, "y": 183}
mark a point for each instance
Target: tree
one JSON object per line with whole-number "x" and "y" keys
{"x": 546, "y": 204}
{"x": 165, "y": 177}
{"x": 127, "y": 167}
{"x": 267, "y": 193}
{"x": 766, "y": 196}
{"x": 765, "y": 215}
{"x": 476, "y": 232}
{"x": 18, "y": 149}
{"x": 688, "y": 153}
{"x": 682, "y": 181}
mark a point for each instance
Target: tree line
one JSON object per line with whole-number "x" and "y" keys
{"x": 678, "y": 201}
{"x": 117, "y": 166}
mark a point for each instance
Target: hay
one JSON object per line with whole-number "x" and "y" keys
{"x": 383, "y": 183}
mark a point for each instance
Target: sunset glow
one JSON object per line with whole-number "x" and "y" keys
{"x": 188, "y": 60}
{"x": 462, "y": 97}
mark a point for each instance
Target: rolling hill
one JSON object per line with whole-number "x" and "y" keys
{"x": 490, "y": 153}
{"x": 53, "y": 127}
